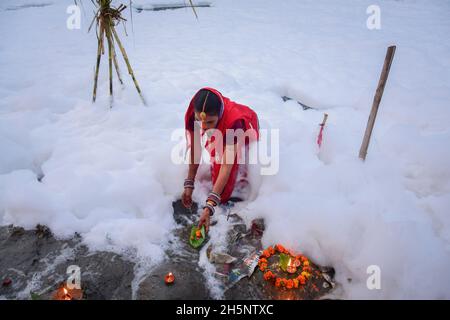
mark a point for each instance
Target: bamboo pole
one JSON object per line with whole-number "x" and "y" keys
{"x": 376, "y": 101}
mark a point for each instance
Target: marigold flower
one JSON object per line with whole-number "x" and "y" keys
{"x": 278, "y": 282}
{"x": 307, "y": 269}
{"x": 266, "y": 254}
{"x": 295, "y": 283}
{"x": 306, "y": 274}
{"x": 280, "y": 248}
{"x": 289, "y": 284}
{"x": 268, "y": 275}
{"x": 301, "y": 279}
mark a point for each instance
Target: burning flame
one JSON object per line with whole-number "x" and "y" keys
{"x": 64, "y": 292}
{"x": 169, "y": 278}
{"x": 291, "y": 268}
{"x": 66, "y": 295}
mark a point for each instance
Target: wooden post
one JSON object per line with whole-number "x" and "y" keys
{"x": 325, "y": 117}
{"x": 322, "y": 125}
{"x": 376, "y": 101}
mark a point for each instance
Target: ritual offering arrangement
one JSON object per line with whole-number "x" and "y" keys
{"x": 197, "y": 237}
{"x": 284, "y": 268}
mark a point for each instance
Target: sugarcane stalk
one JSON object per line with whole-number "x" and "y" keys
{"x": 110, "y": 58}
{"x": 97, "y": 66}
{"x": 125, "y": 57}
{"x": 193, "y": 9}
{"x": 116, "y": 65}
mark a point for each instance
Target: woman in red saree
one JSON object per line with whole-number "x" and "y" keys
{"x": 224, "y": 122}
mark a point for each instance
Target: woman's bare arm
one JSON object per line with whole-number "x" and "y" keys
{"x": 229, "y": 157}
{"x": 195, "y": 153}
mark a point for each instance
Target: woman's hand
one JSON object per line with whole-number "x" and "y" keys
{"x": 186, "y": 197}
{"x": 204, "y": 219}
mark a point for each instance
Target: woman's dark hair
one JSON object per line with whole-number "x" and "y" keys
{"x": 213, "y": 103}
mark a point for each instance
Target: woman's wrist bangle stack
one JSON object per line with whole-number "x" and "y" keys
{"x": 189, "y": 183}
{"x": 212, "y": 202}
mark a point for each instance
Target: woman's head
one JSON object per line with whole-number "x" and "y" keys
{"x": 207, "y": 108}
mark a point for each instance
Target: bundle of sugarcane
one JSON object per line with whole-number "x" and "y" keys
{"x": 106, "y": 19}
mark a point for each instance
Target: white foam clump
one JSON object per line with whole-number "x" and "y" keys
{"x": 352, "y": 215}
{"x": 103, "y": 184}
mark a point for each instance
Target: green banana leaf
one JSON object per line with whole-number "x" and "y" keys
{"x": 284, "y": 260}
{"x": 193, "y": 241}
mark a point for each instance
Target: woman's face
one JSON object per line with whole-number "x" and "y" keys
{"x": 209, "y": 123}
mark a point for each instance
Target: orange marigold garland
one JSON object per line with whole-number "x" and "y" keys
{"x": 298, "y": 264}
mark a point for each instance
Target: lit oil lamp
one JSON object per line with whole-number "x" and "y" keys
{"x": 285, "y": 295}
{"x": 291, "y": 268}
{"x": 169, "y": 278}
{"x": 66, "y": 295}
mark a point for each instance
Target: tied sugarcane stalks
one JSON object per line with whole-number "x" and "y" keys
{"x": 106, "y": 19}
